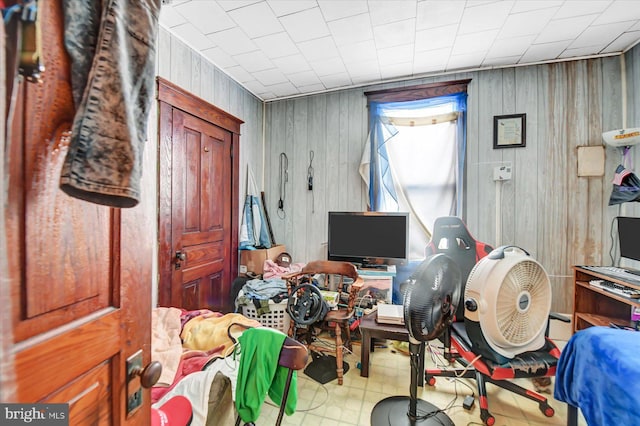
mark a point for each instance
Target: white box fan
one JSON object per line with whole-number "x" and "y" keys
{"x": 507, "y": 304}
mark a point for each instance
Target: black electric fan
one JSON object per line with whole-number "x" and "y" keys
{"x": 429, "y": 307}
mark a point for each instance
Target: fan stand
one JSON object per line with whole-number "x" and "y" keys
{"x": 402, "y": 410}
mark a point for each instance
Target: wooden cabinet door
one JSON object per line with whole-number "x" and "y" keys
{"x": 79, "y": 273}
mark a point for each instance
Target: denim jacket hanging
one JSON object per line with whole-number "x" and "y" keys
{"x": 112, "y": 47}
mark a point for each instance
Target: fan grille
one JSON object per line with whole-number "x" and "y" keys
{"x": 429, "y": 304}
{"x": 523, "y": 301}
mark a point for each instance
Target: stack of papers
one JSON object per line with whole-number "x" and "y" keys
{"x": 390, "y": 314}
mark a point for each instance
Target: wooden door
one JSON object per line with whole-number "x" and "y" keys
{"x": 79, "y": 273}
{"x": 198, "y": 220}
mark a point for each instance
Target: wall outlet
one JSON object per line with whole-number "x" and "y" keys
{"x": 502, "y": 172}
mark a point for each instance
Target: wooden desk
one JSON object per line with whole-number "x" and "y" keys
{"x": 370, "y": 329}
{"x": 594, "y": 306}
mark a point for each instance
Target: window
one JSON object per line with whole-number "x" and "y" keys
{"x": 414, "y": 156}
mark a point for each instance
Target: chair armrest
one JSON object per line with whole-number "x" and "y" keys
{"x": 290, "y": 275}
{"x": 556, "y": 316}
{"x": 357, "y": 284}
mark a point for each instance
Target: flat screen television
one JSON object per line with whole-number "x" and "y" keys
{"x": 368, "y": 238}
{"x": 629, "y": 237}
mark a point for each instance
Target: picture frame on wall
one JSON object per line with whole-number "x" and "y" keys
{"x": 509, "y": 131}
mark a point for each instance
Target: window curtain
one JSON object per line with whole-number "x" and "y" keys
{"x": 374, "y": 166}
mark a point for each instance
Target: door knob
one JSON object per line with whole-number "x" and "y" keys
{"x": 149, "y": 375}
{"x": 180, "y": 257}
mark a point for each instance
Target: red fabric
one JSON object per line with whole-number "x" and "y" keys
{"x": 190, "y": 362}
{"x": 177, "y": 411}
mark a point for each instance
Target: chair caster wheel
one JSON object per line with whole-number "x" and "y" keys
{"x": 430, "y": 380}
{"x": 487, "y": 418}
{"x": 547, "y": 410}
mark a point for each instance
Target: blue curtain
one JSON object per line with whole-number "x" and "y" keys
{"x": 382, "y": 195}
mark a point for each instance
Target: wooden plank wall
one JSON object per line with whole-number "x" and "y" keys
{"x": 183, "y": 66}
{"x": 560, "y": 218}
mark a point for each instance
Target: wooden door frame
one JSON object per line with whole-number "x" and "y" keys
{"x": 171, "y": 96}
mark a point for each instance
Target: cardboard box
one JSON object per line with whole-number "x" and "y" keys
{"x": 253, "y": 260}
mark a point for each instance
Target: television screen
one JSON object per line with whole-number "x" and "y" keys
{"x": 368, "y": 237}
{"x": 629, "y": 237}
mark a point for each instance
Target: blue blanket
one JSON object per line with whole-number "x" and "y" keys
{"x": 599, "y": 372}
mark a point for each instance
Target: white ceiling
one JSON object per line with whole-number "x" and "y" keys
{"x": 284, "y": 48}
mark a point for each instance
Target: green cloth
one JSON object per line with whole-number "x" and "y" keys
{"x": 260, "y": 375}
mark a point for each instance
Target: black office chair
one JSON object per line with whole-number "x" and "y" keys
{"x": 451, "y": 236}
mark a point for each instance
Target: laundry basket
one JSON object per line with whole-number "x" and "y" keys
{"x": 277, "y": 317}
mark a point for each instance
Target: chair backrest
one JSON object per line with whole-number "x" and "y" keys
{"x": 451, "y": 237}
{"x": 340, "y": 270}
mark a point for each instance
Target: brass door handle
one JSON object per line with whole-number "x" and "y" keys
{"x": 149, "y": 375}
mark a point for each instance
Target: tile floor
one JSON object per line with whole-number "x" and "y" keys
{"x": 389, "y": 374}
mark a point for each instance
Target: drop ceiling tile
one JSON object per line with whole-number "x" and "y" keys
{"x": 599, "y": 35}
{"x": 169, "y": 17}
{"x": 366, "y": 79}
{"x": 234, "y": 41}
{"x": 470, "y": 43}
{"x": 287, "y": 7}
{"x": 208, "y": 16}
{"x": 395, "y": 55}
{"x": 351, "y": 30}
{"x": 332, "y": 9}
{"x": 255, "y": 86}
{"x": 526, "y": 23}
{"x": 384, "y": 12}
{"x": 192, "y": 36}
{"x": 276, "y": 45}
{"x": 564, "y": 29}
{"x": 395, "y": 33}
{"x": 239, "y": 74}
{"x": 257, "y": 20}
{"x": 515, "y": 46}
{"x": 312, "y": 88}
{"x": 467, "y": 60}
{"x": 318, "y": 49}
{"x": 305, "y": 78}
{"x": 578, "y": 52}
{"x": 306, "y": 25}
{"x": 619, "y": 11}
{"x": 294, "y": 63}
{"x": 362, "y": 51}
{"x": 520, "y": 6}
{"x": 572, "y": 9}
{"x": 430, "y": 60}
{"x": 501, "y": 61}
{"x": 328, "y": 66}
{"x": 228, "y": 5}
{"x": 438, "y": 13}
{"x": 484, "y": 17}
{"x": 219, "y": 57}
{"x": 336, "y": 80}
{"x": 397, "y": 70}
{"x": 435, "y": 38}
{"x": 283, "y": 89}
{"x": 622, "y": 43}
{"x": 254, "y": 61}
{"x": 270, "y": 77}
{"x": 544, "y": 51}
{"x": 360, "y": 68}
